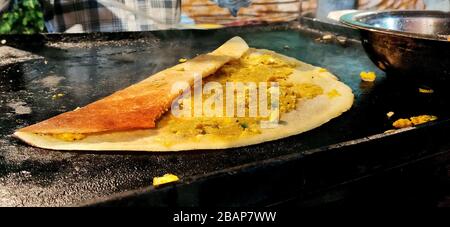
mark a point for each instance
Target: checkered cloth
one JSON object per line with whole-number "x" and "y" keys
{"x": 93, "y": 16}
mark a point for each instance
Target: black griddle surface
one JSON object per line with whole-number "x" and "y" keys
{"x": 86, "y": 68}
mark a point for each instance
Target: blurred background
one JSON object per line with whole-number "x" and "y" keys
{"x": 204, "y": 11}
{"x": 28, "y": 16}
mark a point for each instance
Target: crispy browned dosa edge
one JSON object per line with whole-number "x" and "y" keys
{"x": 142, "y": 104}
{"x": 308, "y": 114}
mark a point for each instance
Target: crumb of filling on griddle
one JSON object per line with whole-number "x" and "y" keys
{"x": 57, "y": 96}
{"x": 417, "y": 120}
{"x": 426, "y": 90}
{"x": 368, "y": 76}
{"x": 182, "y": 60}
{"x": 402, "y": 123}
{"x": 413, "y": 121}
{"x": 167, "y": 178}
{"x": 390, "y": 114}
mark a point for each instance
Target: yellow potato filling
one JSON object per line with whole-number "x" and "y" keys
{"x": 69, "y": 136}
{"x": 252, "y": 67}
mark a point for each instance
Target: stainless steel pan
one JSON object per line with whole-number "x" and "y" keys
{"x": 408, "y": 43}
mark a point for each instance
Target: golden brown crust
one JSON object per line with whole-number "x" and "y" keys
{"x": 140, "y": 105}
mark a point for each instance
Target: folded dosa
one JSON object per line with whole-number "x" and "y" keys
{"x": 140, "y": 105}
{"x": 310, "y": 112}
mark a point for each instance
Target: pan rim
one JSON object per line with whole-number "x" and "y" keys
{"x": 353, "y": 20}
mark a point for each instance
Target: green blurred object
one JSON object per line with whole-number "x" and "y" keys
{"x": 25, "y": 17}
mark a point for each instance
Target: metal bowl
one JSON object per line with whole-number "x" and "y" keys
{"x": 411, "y": 43}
